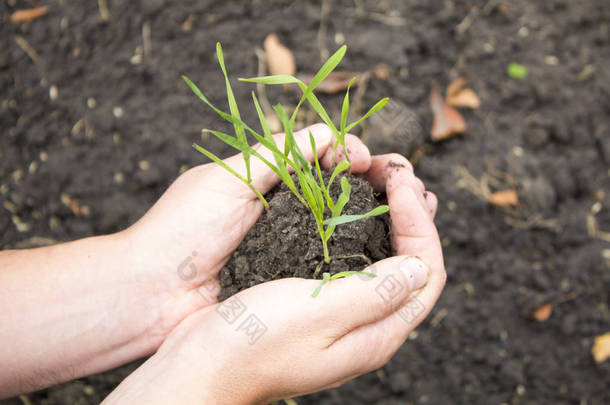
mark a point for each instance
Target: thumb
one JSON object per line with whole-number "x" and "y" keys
{"x": 263, "y": 177}
{"x": 360, "y": 300}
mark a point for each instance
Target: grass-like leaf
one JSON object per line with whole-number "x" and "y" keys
{"x": 378, "y": 106}
{"x": 344, "y": 219}
{"x": 327, "y": 278}
{"x": 239, "y": 130}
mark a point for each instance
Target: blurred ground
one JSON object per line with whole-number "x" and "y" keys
{"x": 95, "y": 123}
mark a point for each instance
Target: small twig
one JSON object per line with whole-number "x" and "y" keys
{"x": 463, "y": 26}
{"x": 27, "y": 48}
{"x": 103, "y": 7}
{"x": 390, "y": 20}
{"x": 324, "y": 12}
{"x": 534, "y": 222}
{"x": 146, "y": 40}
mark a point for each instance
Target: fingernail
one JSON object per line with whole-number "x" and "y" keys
{"x": 415, "y": 271}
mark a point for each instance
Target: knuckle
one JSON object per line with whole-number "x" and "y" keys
{"x": 398, "y": 160}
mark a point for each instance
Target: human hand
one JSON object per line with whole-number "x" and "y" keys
{"x": 185, "y": 239}
{"x": 275, "y": 341}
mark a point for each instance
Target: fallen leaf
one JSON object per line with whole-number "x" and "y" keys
{"x": 457, "y": 96}
{"x": 447, "y": 120}
{"x": 335, "y": 82}
{"x": 601, "y": 348}
{"x": 280, "y": 60}
{"x": 465, "y": 98}
{"x": 454, "y": 87}
{"x": 29, "y": 14}
{"x": 504, "y": 198}
{"x": 543, "y": 313}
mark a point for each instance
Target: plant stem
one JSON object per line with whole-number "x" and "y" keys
{"x": 259, "y": 195}
{"x": 326, "y": 256}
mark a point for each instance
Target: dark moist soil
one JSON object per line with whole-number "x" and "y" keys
{"x": 546, "y": 135}
{"x": 285, "y": 241}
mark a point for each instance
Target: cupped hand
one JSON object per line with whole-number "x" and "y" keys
{"x": 275, "y": 340}
{"x": 185, "y": 239}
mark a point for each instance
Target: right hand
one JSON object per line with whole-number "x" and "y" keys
{"x": 307, "y": 344}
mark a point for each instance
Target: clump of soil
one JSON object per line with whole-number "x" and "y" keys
{"x": 285, "y": 241}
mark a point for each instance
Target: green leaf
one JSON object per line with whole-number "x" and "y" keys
{"x": 239, "y": 130}
{"x": 349, "y": 273}
{"x": 228, "y": 168}
{"x": 378, "y": 106}
{"x": 319, "y": 77}
{"x": 336, "y": 210}
{"x": 275, "y": 79}
{"x": 326, "y": 278}
{"x": 344, "y": 219}
{"x": 341, "y": 167}
{"x": 516, "y": 71}
{"x": 345, "y": 109}
{"x": 224, "y": 115}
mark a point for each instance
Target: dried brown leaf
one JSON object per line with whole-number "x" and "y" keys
{"x": 457, "y": 96}
{"x": 543, "y": 313}
{"x": 465, "y": 98}
{"x": 20, "y": 16}
{"x": 455, "y": 87}
{"x": 447, "y": 120}
{"x": 504, "y": 198}
{"x": 280, "y": 59}
{"x": 601, "y": 348}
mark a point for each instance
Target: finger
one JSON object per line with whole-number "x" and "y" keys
{"x": 359, "y": 154}
{"x": 420, "y": 185}
{"x": 432, "y": 201}
{"x": 371, "y": 346}
{"x": 413, "y": 232}
{"x": 375, "y": 298}
{"x": 263, "y": 178}
{"x": 382, "y": 166}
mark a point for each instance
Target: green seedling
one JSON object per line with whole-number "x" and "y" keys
{"x": 311, "y": 190}
{"x": 326, "y": 277}
{"x": 516, "y": 71}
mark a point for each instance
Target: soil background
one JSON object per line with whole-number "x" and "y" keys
{"x": 95, "y": 123}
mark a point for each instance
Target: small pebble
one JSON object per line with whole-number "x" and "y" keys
{"x": 551, "y": 60}
{"x": 487, "y": 47}
{"x": 144, "y": 165}
{"x": 53, "y": 93}
{"x": 518, "y": 151}
{"x": 117, "y": 112}
{"x": 119, "y": 178}
{"x": 44, "y": 156}
{"x": 17, "y": 175}
{"x": 523, "y": 32}
{"x": 91, "y": 103}
{"x": 339, "y": 38}
{"x": 32, "y": 167}
{"x": 135, "y": 59}
{"x": 54, "y": 223}
{"x": 10, "y": 207}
